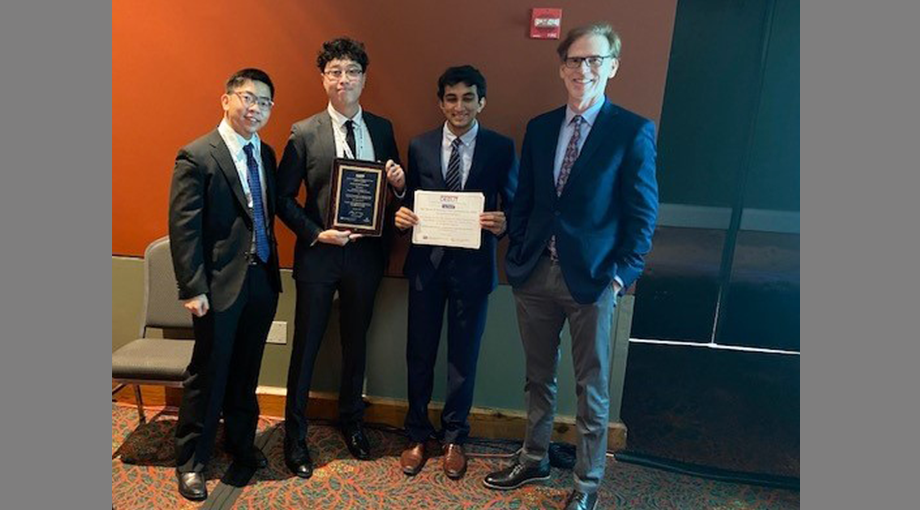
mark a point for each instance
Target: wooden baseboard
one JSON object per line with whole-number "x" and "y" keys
{"x": 484, "y": 422}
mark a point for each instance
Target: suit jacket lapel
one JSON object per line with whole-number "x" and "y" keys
{"x": 269, "y": 182}
{"x": 546, "y": 155}
{"x": 434, "y": 154}
{"x": 222, "y": 155}
{"x": 375, "y": 135}
{"x": 595, "y": 139}
{"x": 326, "y": 137}
{"x": 380, "y": 136}
{"x": 476, "y": 166}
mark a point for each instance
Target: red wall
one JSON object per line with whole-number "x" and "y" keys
{"x": 170, "y": 59}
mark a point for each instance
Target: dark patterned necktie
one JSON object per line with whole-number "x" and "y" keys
{"x": 350, "y": 138}
{"x": 258, "y": 208}
{"x": 452, "y": 179}
{"x": 571, "y": 154}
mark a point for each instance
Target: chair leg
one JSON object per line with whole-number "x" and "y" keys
{"x": 140, "y": 403}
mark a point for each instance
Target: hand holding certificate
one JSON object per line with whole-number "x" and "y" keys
{"x": 449, "y": 219}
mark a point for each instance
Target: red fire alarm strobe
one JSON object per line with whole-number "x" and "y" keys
{"x": 545, "y": 23}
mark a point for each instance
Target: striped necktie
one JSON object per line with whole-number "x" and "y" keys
{"x": 452, "y": 179}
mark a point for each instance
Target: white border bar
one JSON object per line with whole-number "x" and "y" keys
{"x": 714, "y": 346}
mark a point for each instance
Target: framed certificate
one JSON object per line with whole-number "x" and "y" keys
{"x": 358, "y": 199}
{"x": 448, "y": 218}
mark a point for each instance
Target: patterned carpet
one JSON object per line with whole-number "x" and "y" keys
{"x": 143, "y": 477}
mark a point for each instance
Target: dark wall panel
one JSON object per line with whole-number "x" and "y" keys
{"x": 773, "y": 179}
{"x": 712, "y": 78}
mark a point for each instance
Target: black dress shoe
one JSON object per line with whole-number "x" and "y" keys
{"x": 581, "y": 501}
{"x": 516, "y": 475}
{"x": 192, "y": 486}
{"x": 254, "y": 459}
{"x": 356, "y": 441}
{"x": 297, "y": 459}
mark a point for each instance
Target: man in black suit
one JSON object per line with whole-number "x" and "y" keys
{"x": 458, "y": 156}
{"x": 582, "y": 223}
{"x": 221, "y": 235}
{"x": 327, "y": 261}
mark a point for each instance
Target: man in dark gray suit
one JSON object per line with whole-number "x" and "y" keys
{"x": 581, "y": 225}
{"x": 327, "y": 261}
{"x": 221, "y": 235}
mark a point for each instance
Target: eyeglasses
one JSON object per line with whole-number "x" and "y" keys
{"x": 594, "y": 61}
{"x": 336, "y": 74}
{"x": 250, "y": 99}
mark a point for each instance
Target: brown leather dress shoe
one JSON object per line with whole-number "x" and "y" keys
{"x": 454, "y": 461}
{"x": 413, "y": 458}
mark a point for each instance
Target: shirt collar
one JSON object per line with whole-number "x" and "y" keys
{"x": 339, "y": 120}
{"x": 235, "y": 142}
{"x": 467, "y": 137}
{"x": 589, "y": 116}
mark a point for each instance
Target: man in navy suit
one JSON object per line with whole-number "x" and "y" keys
{"x": 463, "y": 156}
{"x": 581, "y": 225}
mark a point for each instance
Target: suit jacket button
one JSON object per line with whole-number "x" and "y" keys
{"x": 557, "y": 213}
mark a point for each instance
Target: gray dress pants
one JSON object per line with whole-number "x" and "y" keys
{"x": 543, "y": 305}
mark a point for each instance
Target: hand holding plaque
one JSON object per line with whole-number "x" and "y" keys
{"x": 358, "y": 199}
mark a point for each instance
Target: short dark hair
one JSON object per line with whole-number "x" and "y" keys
{"x": 602, "y": 29}
{"x": 342, "y": 48}
{"x": 249, "y": 74}
{"x": 468, "y": 75}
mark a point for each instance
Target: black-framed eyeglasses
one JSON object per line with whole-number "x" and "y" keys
{"x": 250, "y": 99}
{"x": 594, "y": 61}
{"x": 351, "y": 72}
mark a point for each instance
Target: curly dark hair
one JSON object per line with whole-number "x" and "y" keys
{"x": 342, "y": 48}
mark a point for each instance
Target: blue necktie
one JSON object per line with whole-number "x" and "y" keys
{"x": 258, "y": 209}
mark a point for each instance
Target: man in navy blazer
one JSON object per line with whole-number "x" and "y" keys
{"x": 463, "y": 156}
{"x": 582, "y": 223}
